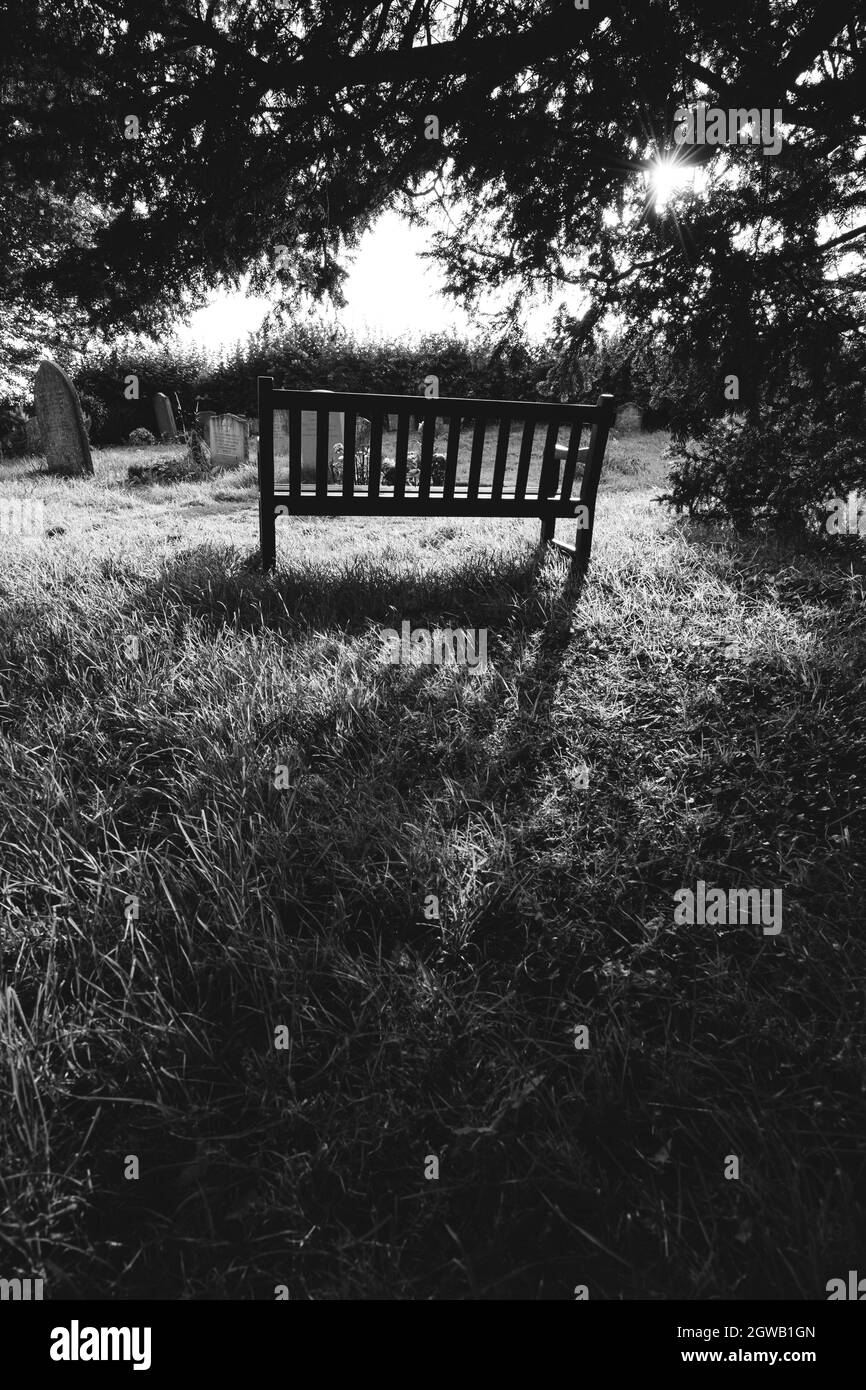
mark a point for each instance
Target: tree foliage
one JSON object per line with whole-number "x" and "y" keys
{"x": 271, "y": 134}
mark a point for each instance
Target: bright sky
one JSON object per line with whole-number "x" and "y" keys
{"x": 390, "y": 291}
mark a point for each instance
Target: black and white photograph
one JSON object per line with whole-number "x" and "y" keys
{"x": 432, "y": 670}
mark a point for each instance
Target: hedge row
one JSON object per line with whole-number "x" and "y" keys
{"x": 300, "y": 358}
{"x": 117, "y": 384}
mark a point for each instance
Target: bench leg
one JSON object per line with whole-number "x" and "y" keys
{"x": 582, "y": 548}
{"x": 548, "y": 527}
{"x": 267, "y": 536}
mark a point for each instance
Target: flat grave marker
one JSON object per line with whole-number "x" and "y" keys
{"x": 229, "y": 439}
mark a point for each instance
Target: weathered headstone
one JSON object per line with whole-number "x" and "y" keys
{"x": 628, "y": 418}
{"x": 32, "y": 437}
{"x": 165, "y": 426}
{"x": 308, "y": 439}
{"x": 61, "y": 423}
{"x": 309, "y": 430}
{"x": 281, "y": 436}
{"x": 229, "y": 440}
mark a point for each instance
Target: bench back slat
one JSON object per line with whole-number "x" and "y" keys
{"x": 349, "y": 427}
{"x": 426, "y": 468}
{"x": 524, "y": 459}
{"x": 571, "y": 461}
{"x": 501, "y": 458}
{"x": 294, "y": 453}
{"x": 476, "y": 458}
{"x": 375, "y": 473}
{"x": 322, "y": 453}
{"x": 401, "y": 451}
{"x": 549, "y": 475}
{"x": 452, "y": 457}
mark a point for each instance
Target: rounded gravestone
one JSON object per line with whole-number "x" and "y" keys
{"x": 61, "y": 423}
{"x": 628, "y": 418}
{"x": 164, "y": 418}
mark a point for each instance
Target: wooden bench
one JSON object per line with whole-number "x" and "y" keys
{"x": 319, "y": 494}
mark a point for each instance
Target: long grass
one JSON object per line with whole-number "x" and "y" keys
{"x": 169, "y": 914}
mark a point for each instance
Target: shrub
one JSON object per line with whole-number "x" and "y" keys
{"x": 783, "y": 461}
{"x": 12, "y": 422}
{"x": 142, "y": 436}
{"x": 95, "y": 414}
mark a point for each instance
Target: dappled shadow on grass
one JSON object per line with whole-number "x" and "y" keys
{"x": 321, "y": 918}
{"x": 761, "y": 553}
{"x": 411, "y": 1036}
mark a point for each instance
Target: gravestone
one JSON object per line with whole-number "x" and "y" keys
{"x": 281, "y": 441}
{"x": 229, "y": 440}
{"x": 629, "y": 418}
{"x": 165, "y": 426}
{"x": 201, "y": 419}
{"x": 61, "y": 423}
{"x": 32, "y": 437}
{"x": 308, "y": 439}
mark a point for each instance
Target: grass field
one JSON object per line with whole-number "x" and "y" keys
{"x": 715, "y": 691}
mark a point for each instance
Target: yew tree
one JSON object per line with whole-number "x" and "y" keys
{"x": 155, "y": 149}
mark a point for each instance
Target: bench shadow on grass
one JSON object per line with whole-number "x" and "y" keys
{"x": 505, "y": 741}
{"x": 526, "y": 614}
{"x": 528, "y": 611}
{"x": 532, "y": 622}
{"x": 223, "y": 589}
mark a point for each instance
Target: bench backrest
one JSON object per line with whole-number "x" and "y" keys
{"x": 550, "y": 496}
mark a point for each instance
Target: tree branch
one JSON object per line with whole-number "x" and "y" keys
{"x": 840, "y": 240}
{"x": 549, "y": 38}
